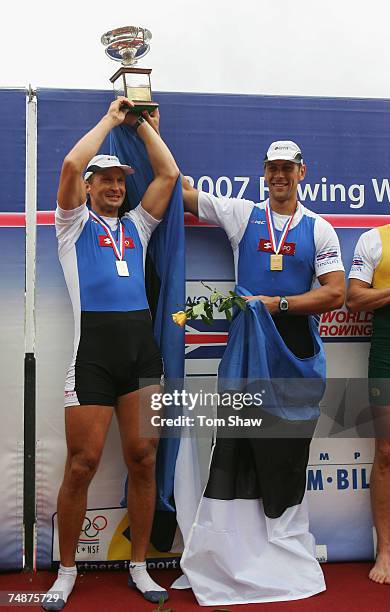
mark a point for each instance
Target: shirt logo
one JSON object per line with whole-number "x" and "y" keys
{"x": 105, "y": 241}
{"x": 357, "y": 261}
{"x": 266, "y": 246}
{"x": 327, "y": 254}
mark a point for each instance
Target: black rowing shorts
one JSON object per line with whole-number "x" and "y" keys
{"x": 116, "y": 354}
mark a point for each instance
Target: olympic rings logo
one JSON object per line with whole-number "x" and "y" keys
{"x": 92, "y": 527}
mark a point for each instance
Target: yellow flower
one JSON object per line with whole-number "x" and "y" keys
{"x": 179, "y": 318}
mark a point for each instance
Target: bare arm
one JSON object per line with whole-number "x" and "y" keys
{"x": 190, "y": 197}
{"x": 361, "y": 296}
{"x": 166, "y": 172}
{"x": 71, "y": 190}
{"x": 316, "y": 301}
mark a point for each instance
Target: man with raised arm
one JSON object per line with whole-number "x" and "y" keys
{"x": 116, "y": 364}
{"x": 252, "y": 514}
{"x": 369, "y": 289}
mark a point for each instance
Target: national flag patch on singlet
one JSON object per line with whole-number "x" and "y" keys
{"x": 266, "y": 246}
{"x": 105, "y": 241}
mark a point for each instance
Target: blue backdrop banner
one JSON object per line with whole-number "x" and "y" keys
{"x": 12, "y": 274}
{"x": 219, "y": 142}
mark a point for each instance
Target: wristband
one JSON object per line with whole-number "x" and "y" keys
{"x": 139, "y": 122}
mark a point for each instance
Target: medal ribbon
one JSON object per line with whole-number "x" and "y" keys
{"x": 119, "y": 253}
{"x": 271, "y": 229}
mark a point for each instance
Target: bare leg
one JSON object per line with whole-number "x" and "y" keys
{"x": 139, "y": 441}
{"x": 380, "y": 501}
{"x": 140, "y": 457}
{"x": 86, "y": 430}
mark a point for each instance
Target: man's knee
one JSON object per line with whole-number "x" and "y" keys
{"x": 382, "y": 453}
{"x": 142, "y": 458}
{"x": 81, "y": 468}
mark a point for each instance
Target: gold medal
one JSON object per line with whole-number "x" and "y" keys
{"x": 276, "y": 262}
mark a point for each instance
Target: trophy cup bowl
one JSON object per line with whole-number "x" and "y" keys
{"x": 127, "y": 45}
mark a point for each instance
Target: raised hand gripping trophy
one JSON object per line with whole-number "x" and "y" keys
{"x": 127, "y": 45}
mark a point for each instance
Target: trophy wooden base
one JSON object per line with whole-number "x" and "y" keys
{"x": 139, "y": 107}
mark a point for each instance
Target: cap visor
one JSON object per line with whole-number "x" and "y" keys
{"x": 294, "y": 160}
{"x": 127, "y": 169}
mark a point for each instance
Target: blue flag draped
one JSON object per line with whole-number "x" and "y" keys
{"x": 167, "y": 252}
{"x": 255, "y": 350}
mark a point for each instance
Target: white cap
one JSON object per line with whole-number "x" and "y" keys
{"x": 102, "y": 162}
{"x": 284, "y": 149}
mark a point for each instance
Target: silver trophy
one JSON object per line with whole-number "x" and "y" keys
{"x": 127, "y": 45}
